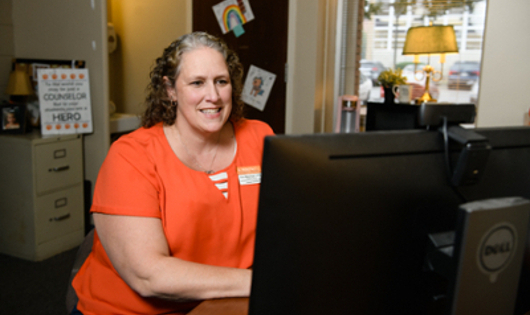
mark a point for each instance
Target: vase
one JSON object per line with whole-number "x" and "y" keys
{"x": 389, "y": 96}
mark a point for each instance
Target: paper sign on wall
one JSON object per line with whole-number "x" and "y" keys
{"x": 64, "y": 101}
{"x": 258, "y": 86}
{"x": 232, "y": 14}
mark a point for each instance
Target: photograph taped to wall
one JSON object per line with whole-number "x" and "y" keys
{"x": 258, "y": 86}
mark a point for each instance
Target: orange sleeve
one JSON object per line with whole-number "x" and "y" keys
{"x": 127, "y": 183}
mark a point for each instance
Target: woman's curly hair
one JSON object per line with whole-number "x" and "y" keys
{"x": 159, "y": 105}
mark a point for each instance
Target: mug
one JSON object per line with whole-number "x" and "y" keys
{"x": 403, "y": 93}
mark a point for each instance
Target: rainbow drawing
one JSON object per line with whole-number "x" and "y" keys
{"x": 233, "y": 17}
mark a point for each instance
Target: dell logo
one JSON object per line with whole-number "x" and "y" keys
{"x": 496, "y": 249}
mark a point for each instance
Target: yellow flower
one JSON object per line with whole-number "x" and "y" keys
{"x": 389, "y": 78}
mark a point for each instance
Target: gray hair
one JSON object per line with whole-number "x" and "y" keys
{"x": 196, "y": 40}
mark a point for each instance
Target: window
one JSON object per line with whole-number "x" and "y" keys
{"x": 384, "y": 31}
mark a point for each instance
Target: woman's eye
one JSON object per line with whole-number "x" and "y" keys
{"x": 197, "y": 83}
{"x": 222, "y": 81}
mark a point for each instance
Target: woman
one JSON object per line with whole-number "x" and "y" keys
{"x": 175, "y": 203}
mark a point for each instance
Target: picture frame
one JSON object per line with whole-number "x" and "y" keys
{"x": 13, "y": 118}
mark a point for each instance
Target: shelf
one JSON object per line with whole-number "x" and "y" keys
{"x": 122, "y": 122}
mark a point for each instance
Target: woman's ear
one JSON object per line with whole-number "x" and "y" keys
{"x": 170, "y": 89}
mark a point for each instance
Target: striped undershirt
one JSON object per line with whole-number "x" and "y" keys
{"x": 221, "y": 182}
{"x": 221, "y": 179}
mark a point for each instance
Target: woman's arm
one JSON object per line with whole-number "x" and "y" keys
{"x": 138, "y": 250}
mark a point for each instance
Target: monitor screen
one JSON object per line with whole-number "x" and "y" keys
{"x": 344, "y": 219}
{"x": 381, "y": 116}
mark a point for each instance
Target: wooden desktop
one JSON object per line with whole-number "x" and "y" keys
{"x": 232, "y": 306}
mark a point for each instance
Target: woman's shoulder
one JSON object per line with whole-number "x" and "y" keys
{"x": 140, "y": 137}
{"x": 253, "y": 126}
{"x": 139, "y": 144}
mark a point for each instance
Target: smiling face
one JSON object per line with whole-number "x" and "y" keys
{"x": 203, "y": 91}
{"x": 11, "y": 119}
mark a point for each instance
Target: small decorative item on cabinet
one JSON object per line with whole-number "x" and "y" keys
{"x": 13, "y": 117}
{"x": 388, "y": 79}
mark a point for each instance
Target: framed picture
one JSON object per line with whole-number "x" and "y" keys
{"x": 13, "y": 118}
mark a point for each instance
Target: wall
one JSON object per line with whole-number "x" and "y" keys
{"x": 7, "y": 47}
{"x": 305, "y": 57}
{"x": 301, "y": 58}
{"x": 144, "y": 29}
{"x": 505, "y": 74}
{"x": 325, "y": 71}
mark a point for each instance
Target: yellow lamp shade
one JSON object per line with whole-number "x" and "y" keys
{"x": 438, "y": 39}
{"x": 19, "y": 84}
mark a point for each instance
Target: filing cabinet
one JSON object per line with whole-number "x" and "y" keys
{"x": 41, "y": 195}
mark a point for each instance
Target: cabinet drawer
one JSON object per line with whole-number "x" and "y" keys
{"x": 59, "y": 213}
{"x": 58, "y": 164}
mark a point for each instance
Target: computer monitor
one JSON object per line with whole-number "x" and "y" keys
{"x": 345, "y": 220}
{"x": 381, "y": 116}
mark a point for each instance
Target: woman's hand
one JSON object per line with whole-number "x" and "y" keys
{"x": 139, "y": 252}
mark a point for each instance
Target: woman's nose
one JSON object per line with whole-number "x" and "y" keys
{"x": 212, "y": 94}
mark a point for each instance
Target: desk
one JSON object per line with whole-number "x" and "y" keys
{"x": 233, "y": 306}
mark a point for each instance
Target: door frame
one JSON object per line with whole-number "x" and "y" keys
{"x": 311, "y": 58}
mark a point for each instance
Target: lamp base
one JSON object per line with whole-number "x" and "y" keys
{"x": 18, "y": 99}
{"x": 425, "y": 98}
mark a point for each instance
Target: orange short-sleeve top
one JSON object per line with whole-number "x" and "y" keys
{"x": 141, "y": 176}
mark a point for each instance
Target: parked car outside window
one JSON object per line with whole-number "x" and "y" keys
{"x": 365, "y": 87}
{"x": 372, "y": 69}
{"x": 473, "y": 95}
{"x": 463, "y": 74}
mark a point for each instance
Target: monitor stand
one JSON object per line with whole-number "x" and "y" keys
{"x": 489, "y": 246}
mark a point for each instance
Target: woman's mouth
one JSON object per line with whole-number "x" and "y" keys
{"x": 211, "y": 110}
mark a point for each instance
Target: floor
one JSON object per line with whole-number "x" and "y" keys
{"x": 35, "y": 287}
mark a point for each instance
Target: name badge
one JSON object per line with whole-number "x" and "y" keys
{"x": 249, "y": 175}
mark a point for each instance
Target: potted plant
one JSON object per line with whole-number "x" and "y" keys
{"x": 388, "y": 79}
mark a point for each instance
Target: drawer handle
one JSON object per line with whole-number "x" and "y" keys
{"x": 61, "y": 202}
{"x": 59, "y": 154}
{"x": 60, "y": 218}
{"x": 59, "y": 169}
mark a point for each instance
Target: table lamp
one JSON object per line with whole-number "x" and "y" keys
{"x": 19, "y": 86}
{"x": 430, "y": 40}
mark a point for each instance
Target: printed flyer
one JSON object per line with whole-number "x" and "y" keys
{"x": 64, "y": 101}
